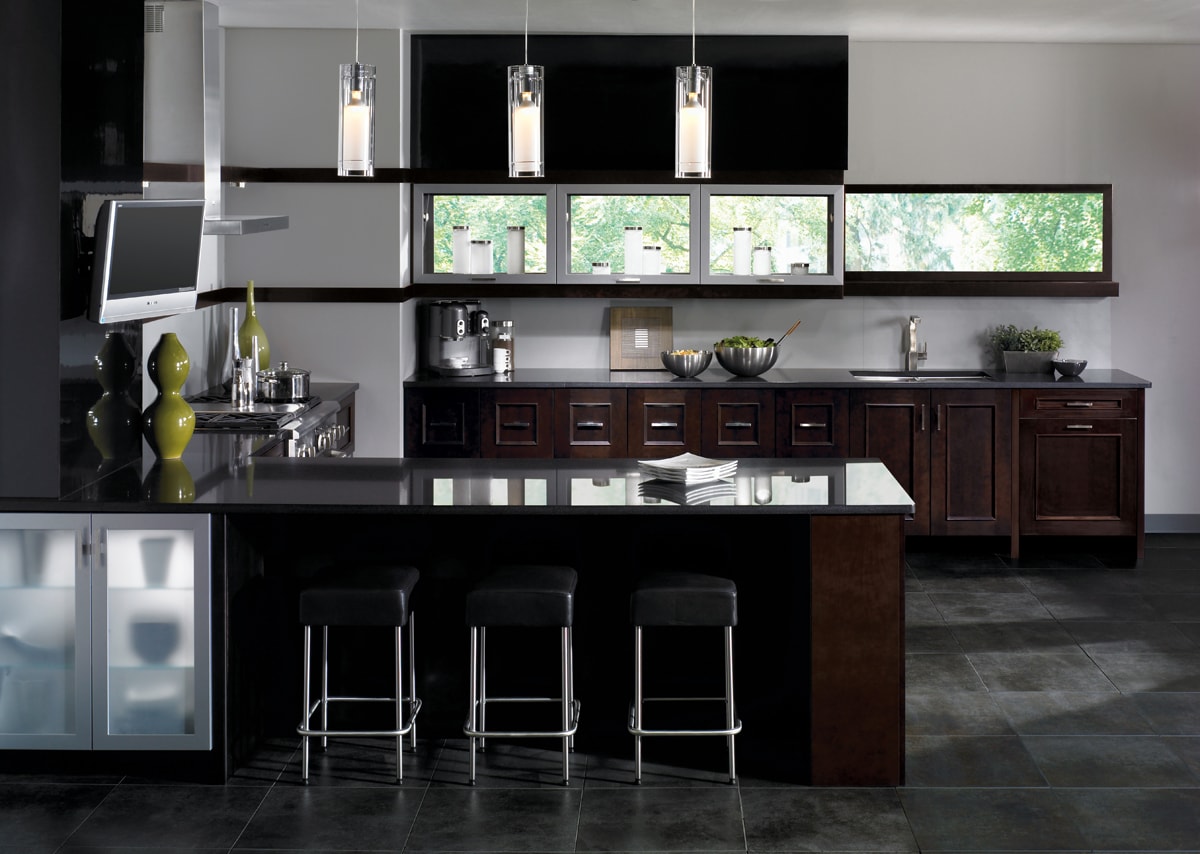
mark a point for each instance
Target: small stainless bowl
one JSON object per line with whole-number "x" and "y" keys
{"x": 1069, "y": 367}
{"x": 747, "y": 361}
{"x": 686, "y": 365}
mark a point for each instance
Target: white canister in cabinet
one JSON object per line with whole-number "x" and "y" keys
{"x": 651, "y": 259}
{"x": 460, "y": 249}
{"x": 516, "y": 250}
{"x": 741, "y": 250}
{"x": 601, "y": 268}
{"x": 633, "y": 250}
{"x": 762, "y": 260}
{"x": 481, "y": 258}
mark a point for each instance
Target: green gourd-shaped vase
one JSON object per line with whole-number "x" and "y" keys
{"x": 114, "y": 421}
{"x": 169, "y": 421}
{"x": 251, "y": 327}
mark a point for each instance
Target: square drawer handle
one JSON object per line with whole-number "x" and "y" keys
{"x": 739, "y": 424}
{"x": 664, "y": 425}
{"x": 590, "y": 425}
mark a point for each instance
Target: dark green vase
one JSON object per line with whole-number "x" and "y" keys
{"x": 169, "y": 421}
{"x": 114, "y": 421}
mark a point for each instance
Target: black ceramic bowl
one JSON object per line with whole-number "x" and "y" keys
{"x": 1069, "y": 367}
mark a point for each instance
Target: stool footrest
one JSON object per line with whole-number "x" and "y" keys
{"x": 636, "y": 730}
{"x": 351, "y": 733}
{"x": 490, "y": 733}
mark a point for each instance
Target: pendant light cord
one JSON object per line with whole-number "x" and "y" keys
{"x": 693, "y": 31}
{"x": 356, "y": 31}
{"x": 527, "y": 31}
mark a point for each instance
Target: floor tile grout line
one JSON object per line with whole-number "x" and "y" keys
{"x": 62, "y": 845}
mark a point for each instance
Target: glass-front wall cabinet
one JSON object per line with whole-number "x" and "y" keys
{"x": 629, "y": 233}
{"x": 483, "y": 233}
{"x": 773, "y": 235}
{"x": 104, "y": 632}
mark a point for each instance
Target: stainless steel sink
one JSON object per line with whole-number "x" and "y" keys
{"x": 922, "y": 376}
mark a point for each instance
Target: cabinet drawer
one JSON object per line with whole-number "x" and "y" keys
{"x": 1096, "y": 403}
{"x": 812, "y": 423}
{"x": 589, "y": 423}
{"x": 663, "y": 422}
{"x": 516, "y": 423}
{"x": 737, "y": 423}
{"x": 441, "y": 423}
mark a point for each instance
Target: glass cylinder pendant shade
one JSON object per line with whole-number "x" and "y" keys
{"x": 356, "y": 121}
{"x": 693, "y": 121}
{"x": 525, "y": 87}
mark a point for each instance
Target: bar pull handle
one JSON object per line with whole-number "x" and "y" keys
{"x": 483, "y": 278}
{"x": 1079, "y": 404}
{"x": 590, "y": 425}
{"x": 921, "y": 420}
{"x": 738, "y": 424}
{"x": 1080, "y": 426}
{"x": 629, "y": 280}
{"x": 515, "y": 425}
{"x": 813, "y": 425}
{"x": 443, "y": 423}
{"x": 772, "y": 280}
{"x": 663, "y": 425}
{"x": 937, "y": 419}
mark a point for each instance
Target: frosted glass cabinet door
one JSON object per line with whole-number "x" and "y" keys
{"x": 151, "y": 621}
{"x": 45, "y": 659}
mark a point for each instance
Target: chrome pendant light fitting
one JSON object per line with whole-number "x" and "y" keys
{"x": 693, "y": 116}
{"x": 526, "y": 85}
{"x": 356, "y": 115}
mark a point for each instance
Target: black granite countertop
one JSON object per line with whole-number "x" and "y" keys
{"x": 215, "y": 475}
{"x": 775, "y": 378}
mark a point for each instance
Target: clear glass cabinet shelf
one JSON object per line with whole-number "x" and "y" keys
{"x": 787, "y": 235}
{"x": 490, "y": 233}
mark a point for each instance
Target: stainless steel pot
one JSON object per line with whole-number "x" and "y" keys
{"x": 283, "y": 384}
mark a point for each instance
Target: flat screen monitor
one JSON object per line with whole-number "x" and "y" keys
{"x": 147, "y": 258}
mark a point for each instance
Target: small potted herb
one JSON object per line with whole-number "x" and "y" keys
{"x": 1027, "y": 351}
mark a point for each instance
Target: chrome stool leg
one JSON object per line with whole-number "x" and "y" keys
{"x": 399, "y": 703}
{"x": 307, "y": 699}
{"x": 565, "y": 660}
{"x": 325, "y": 686}
{"x": 482, "y": 685}
{"x": 637, "y": 704}
{"x": 412, "y": 677}
{"x": 474, "y": 691}
{"x": 729, "y": 708}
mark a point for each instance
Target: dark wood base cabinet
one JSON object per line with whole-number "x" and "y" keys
{"x": 1082, "y": 468}
{"x": 951, "y": 450}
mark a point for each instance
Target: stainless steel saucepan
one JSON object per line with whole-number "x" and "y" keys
{"x": 283, "y": 384}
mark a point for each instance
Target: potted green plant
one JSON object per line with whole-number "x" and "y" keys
{"x": 1027, "y": 351}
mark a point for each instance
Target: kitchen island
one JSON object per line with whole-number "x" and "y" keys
{"x": 816, "y": 548}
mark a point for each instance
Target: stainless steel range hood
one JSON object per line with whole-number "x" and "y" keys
{"x": 183, "y": 107}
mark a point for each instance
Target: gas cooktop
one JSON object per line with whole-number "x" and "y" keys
{"x": 215, "y": 412}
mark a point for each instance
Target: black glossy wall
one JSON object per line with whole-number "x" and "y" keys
{"x": 779, "y": 102}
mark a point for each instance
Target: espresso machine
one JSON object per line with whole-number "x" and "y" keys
{"x": 456, "y": 338}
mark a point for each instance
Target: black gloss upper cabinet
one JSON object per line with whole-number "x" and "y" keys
{"x": 609, "y": 100}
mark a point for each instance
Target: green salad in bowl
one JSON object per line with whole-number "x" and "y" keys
{"x": 744, "y": 341}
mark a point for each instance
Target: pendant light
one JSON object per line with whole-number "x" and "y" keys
{"x": 693, "y": 116}
{"x": 356, "y": 116}
{"x": 525, "y": 127}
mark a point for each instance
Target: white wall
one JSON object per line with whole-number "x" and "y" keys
{"x": 931, "y": 113}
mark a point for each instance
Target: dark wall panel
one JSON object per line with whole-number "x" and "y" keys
{"x": 779, "y": 102}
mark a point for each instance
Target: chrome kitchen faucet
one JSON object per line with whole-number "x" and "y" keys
{"x": 914, "y": 352}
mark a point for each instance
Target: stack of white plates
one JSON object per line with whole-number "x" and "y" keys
{"x": 689, "y": 468}
{"x": 682, "y": 493}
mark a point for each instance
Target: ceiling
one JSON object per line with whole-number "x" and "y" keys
{"x": 1114, "y": 21}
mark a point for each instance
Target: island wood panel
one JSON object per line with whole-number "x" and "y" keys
{"x": 857, "y": 615}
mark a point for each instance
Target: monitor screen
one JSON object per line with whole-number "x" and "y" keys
{"x": 147, "y": 258}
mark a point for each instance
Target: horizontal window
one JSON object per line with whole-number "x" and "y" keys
{"x": 993, "y": 236}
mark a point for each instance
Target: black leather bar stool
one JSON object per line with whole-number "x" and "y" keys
{"x": 533, "y": 596}
{"x": 683, "y": 599}
{"x": 360, "y": 596}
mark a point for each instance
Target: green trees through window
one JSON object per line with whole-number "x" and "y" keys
{"x": 981, "y": 232}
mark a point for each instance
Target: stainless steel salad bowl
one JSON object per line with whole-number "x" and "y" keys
{"x": 747, "y": 361}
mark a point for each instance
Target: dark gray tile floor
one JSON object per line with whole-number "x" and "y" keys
{"x": 1053, "y": 704}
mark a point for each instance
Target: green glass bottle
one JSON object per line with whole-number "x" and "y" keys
{"x": 169, "y": 421}
{"x": 251, "y": 327}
